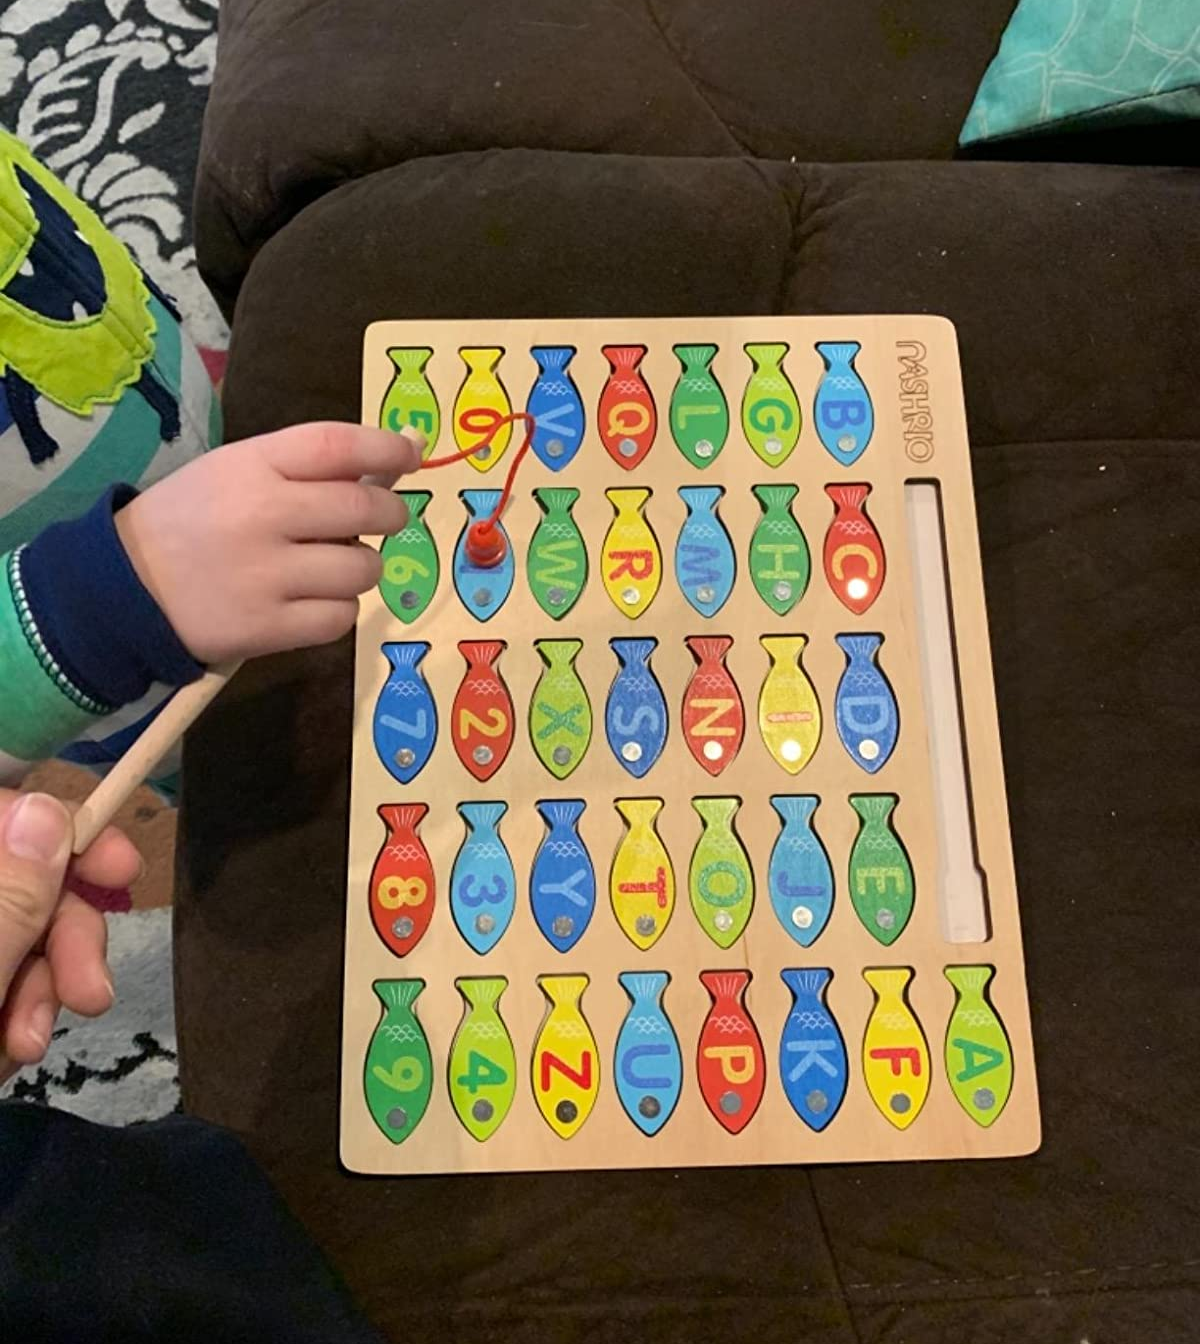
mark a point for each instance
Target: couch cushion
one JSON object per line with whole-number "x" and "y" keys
{"x": 1079, "y": 348}
{"x": 307, "y": 96}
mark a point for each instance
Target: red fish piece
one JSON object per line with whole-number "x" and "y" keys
{"x": 854, "y": 561}
{"x": 628, "y": 419}
{"x": 481, "y": 721}
{"x": 730, "y": 1063}
{"x": 402, "y": 883}
{"x": 714, "y": 719}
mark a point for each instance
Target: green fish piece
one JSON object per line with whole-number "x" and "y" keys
{"x": 410, "y": 562}
{"x": 398, "y": 1075}
{"x": 770, "y": 408}
{"x": 557, "y": 563}
{"x": 881, "y": 878}
{"x": 699, "y": 412}
{"x": 483, "y": 1066}
{"x": 720, "y": 880}
{"x": 560, "y": 716}
{"x": 978, "y": 1055}
{"x": 779, "y": 560}
{"x": 409, "y": 399}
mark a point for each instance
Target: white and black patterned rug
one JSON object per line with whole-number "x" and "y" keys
{"x": 110, "y": 94}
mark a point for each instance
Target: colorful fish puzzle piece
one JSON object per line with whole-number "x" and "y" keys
{"x": 398, "y": 1071}
{"x": 855, "y": 566}
{"x": 562, "y": 885}
{"x": 843, "y": 413}
{"x": 771, "y": 417}
{"x": 481, "y": 402}
{"x": 557, "y": 564}
{"x": 779, "y": 559}
{"x": 632, "y": 560}
{"x": 895, "y": 1056}
{"x": 714, "y": 720}
{"x": 730, "y": 1064}
{"x": 868, "y": 721}
{"x": 978, "y": 1054}
{"x": 482, "y": 590}
{"x": 560, "y": 715}
{"x": 635, "y": 714}
{"x": 402, "y": 882}
{"x": 483, "y": 1066}
{"x": 881, "y": 878}
{"x": 566, "y": 1068}
{"x": 642, "y": 881}
{"x": 405, "y": 723}
{"x": 704, "y": 561}
{"x": 800, "y": 876}
{"x": 482, "y": 715}
{"x": 556, "y": 407}
{"x": 789, "y": 714}
{"x": 483, "y": 885}
{"x": 409, "y": 399}
{"x": 410, "y": 562}
{"x": 813, "y": 1066}
{"x": 647, "y": 1065}
{"x": 720, "y": 880}
{"x": 628, "y": 419}
{"x": 699, "y": 412}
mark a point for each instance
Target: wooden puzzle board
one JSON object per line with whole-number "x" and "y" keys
{"x": 909, "y": 365}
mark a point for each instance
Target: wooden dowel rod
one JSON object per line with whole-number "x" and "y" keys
{"x": 106, "y": 799}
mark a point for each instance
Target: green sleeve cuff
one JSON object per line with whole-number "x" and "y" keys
{"x": 40, "y": 709}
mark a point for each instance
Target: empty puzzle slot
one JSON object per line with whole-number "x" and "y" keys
{"x": 961, "y": 882}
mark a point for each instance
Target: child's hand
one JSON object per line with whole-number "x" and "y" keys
{"x": 242, "y": 549}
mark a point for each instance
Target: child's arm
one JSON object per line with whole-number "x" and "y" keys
{"x": 239, "y": 553}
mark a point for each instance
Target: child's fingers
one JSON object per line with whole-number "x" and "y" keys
{"x": 337, "y": 452}
{"x": 76, "y": 945}
{"x": 30, "y": 1012}
{"x": 337, "y": 510}
{"x": 316, "y": 621}
{"x": 319, "y": 569}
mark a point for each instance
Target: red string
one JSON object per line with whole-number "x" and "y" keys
{"x": 485, "y": 545}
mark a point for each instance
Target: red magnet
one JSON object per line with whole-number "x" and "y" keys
{"x": 730, "y": 1064}
{"x": 402, "y": 883}
{"x": 628, "y": 420}
{"x": 482, "y": 716}
{"x": 713, "y": 717}
{"x": 854, "y": 564}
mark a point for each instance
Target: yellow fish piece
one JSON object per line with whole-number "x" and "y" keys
{"x": 789, "y": 714}
{"x": 631, "y": 564}
{"x": 481, "y": 401}
{"x": 642, "y": 882}
{"x": 895, "y": 1056}
{"x": 566, "y": 1063}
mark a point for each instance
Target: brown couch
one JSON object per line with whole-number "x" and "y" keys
{"x": 524, "y": 157}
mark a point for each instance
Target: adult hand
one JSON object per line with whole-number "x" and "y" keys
{"x": 52, "y": 943}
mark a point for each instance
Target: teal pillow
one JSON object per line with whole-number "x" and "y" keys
{"x": 1081, "y": 64}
